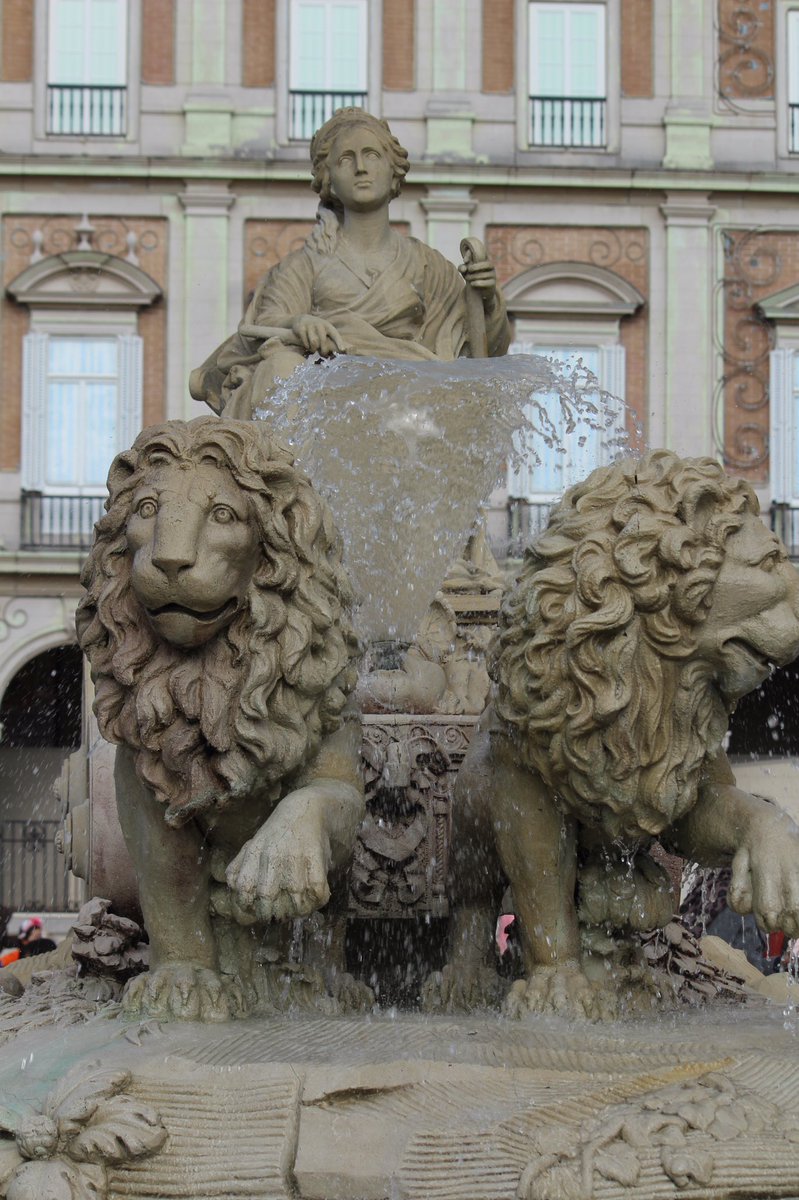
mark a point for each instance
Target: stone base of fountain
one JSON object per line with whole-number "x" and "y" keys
{"x": 700, "y": 1103}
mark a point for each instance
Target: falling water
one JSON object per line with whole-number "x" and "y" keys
{"x": 406, "y": 454}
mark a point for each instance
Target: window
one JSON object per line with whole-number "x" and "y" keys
{"x": 328, "y": 61}
{"x": 793, "y": 81}
{"x": 533, "y": 486}
{"x": 567, "y": 75}
{"x": 82, "y": 399}
{"x": 87, "y": 61}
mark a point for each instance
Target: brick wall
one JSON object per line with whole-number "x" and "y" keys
{"x": 16, "y": 41}
{"x": 625, "y": 251}
{"x": 258, "y": 43}
{"x": 398, "y": 45}
{"x": 637, "y": 48}
{"x": 498, "y": 45}
{"x": 59, "y": 235}
{"x": 158, "y": 41}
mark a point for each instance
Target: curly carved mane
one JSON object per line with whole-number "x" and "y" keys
{"x": 246, "y": 710}
{"x": 594, "y": 666}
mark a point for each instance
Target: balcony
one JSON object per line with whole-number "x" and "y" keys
{"x": 58, "y": 522}
{"x": 784, "y": 520}
{"x": 33, "y": 875}
{"x": 86, "y": 110}
{"x": 526, "y": 520}
{"x": 309, "y": 110}
{"x": 568, "y": 121}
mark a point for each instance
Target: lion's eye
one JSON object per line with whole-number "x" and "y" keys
{"x": 146, "y": 509}
{"x": 222, "y": 514}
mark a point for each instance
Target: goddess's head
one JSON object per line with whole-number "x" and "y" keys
{"x": 344, "y": 121}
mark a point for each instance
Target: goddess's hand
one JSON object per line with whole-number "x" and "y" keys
{"x": 318, "y": 336}
{"x": 482, "y": 276}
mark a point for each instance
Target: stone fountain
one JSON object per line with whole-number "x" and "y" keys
{"x": 223, "y": 628}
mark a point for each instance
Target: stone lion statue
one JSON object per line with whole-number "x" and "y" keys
{"x": 653, "y": 601}
{"x": 215, "y": 621}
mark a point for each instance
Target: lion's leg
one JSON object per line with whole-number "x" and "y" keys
{"x": 289, "y": 865}
{"x": 173, "y": 870}
{"x": 537, "y": 844}
{"x": 475, "y": 887}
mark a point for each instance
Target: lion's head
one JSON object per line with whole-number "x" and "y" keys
{"x": 655, "y": 598}
{"x": 215, "y": 619}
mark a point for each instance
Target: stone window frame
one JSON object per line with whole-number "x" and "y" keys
{"x": 782, "y": 309}
{"x": 80, "y": 293}
{"x": 782, "y": 87}
{"x": 95, "y": 144}
{"x": 577, "y": 154}
{"x": 374, "y": 68}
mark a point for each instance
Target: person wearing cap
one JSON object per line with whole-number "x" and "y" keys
{"x": 31, "y": 941}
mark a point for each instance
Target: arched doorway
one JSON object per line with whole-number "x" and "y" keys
{"x": 40, "y": 723}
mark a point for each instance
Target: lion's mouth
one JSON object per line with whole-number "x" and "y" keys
{"x": 762, "y": 660}
{"x": 181, "y": 610}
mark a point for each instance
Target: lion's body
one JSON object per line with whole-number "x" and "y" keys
{"x": 654, "y": 599}
{"x": 216, "y": 625}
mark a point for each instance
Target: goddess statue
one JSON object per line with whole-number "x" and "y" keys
{"x": 356, "y": 286}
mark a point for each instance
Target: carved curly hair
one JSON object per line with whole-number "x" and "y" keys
{"x": 594, "y": 666}
{"x": 249, "y": 708}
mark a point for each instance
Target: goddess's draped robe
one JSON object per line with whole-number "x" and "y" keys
{"x": 414, "y": 309}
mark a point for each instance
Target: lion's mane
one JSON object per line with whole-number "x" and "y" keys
{"x": 243, "y": 712}
{"x": 597, "y": 681}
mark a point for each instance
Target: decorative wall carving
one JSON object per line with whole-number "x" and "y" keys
{"x": 410, "y": 765}
{"x": 757, "y": 263}
{"x": 746, "y": 32}
{"x": 625, "y": 251}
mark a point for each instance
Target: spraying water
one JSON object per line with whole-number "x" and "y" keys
{"x": 406, "y": 453}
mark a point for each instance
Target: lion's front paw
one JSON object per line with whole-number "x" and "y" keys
{"x": 185, "y": 991}
{"x": 462, "y": 989}
{"x": 280, "y": 873}
{"x": 563, "y": 990}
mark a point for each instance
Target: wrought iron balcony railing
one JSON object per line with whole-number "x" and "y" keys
{"x": 793, "y": 128}
{"x": 526, "y": 519}
{"x": 567, "y": 121}
{"x": 33, "y": 875}
{"x": 309, "y": 110}
{"x": 785, "y": 523}
{"x": 58, "y": 522}
{"x": 86, "y": 110}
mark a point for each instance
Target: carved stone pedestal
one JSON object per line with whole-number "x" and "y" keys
{"x": 698, "y": 1105}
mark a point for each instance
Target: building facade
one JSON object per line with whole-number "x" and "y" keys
{"x": 631, "y": 166}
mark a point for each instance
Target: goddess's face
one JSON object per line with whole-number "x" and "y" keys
{"x": 360, "y": 171}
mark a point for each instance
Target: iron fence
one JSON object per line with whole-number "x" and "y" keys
{"x": 566, "y": 121}
{"x": 86, "y": 110}
{"x": 58, "y": 522}
{"x": 33, "y": 875}
{"x": 309, "y": 110}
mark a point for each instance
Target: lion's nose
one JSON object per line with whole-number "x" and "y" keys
{"x": 175, "y": 547}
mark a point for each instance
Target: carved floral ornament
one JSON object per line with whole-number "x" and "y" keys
{"x": 85, "y": 1125}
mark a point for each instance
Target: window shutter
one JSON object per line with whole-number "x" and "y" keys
{"x": 782, "y": 426}
{"x": 34, "y": 406}
{"x": 130, "y": 390}
{"x": 793, "y": 56}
